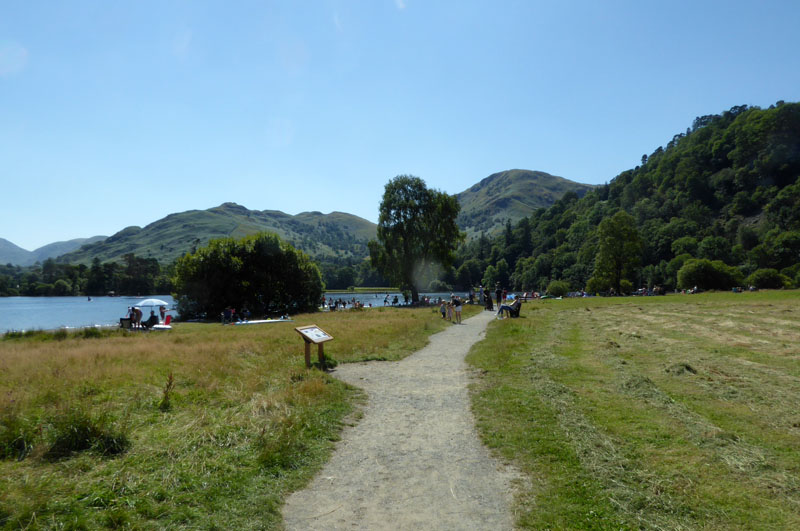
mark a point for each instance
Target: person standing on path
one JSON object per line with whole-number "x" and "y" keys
{"x": 498, "y": 294}
{"x": 457, "y": 309}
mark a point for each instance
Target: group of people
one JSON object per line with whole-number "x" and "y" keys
{"x": 394, "y": 302}
{"x": 135, "y": 315}
{"x": 341, "y": 304}
{"x": 451, "y": 310}
{"x": 229, "y": 315}
{"x": 504, "y": 306}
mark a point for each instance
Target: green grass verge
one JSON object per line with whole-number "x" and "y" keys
{"x": 659, "y": 413}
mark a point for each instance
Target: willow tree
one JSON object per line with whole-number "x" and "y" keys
{"x": 416, "y": 229}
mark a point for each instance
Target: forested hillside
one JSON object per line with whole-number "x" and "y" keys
{"x": 724, "y": 196}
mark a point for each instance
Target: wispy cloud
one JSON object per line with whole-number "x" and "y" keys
{"x": 337, "y": 22}
{"x": 13, "y": 58}
{"x": 401, "y": 4}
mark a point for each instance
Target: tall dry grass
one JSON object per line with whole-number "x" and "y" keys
{"x": 202, "y": 426}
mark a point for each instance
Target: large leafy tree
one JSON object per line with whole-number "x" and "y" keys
{"x": 260, "y": 272}
{"x": 619, "y": 250}
{"x": 416, "y": 229}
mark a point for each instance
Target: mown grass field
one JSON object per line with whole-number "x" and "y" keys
{"x": 93, "y": 434}
{"x": 677, "y": 412}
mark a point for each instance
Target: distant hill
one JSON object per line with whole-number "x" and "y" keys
{"x": 319, "y": 235}
{"x": 13, "y": 254}
{"x": 510, "y": 195}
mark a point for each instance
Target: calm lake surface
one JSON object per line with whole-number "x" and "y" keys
{"x": 48, "y": 313}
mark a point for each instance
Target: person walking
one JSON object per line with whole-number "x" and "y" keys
{"x": 498, "y": 294}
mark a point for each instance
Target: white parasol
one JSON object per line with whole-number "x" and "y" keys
{"x": 152, "y": 302}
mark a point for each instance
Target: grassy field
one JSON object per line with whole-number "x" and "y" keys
{"x": 202, "y": 427}
{"x": 676, "y": 412}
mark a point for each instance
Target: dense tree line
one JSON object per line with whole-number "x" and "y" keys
{"x": 139, "y": 276}
{"x": 347, "y": 272}
{"x": 720, "y": 202}
{"x": 133, "y": 276}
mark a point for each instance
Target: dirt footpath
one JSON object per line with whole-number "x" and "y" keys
{"x": 414, "y": 460}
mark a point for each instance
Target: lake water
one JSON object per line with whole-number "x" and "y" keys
{"x": 376, "y": 299}
{"x": 48, "y": 313}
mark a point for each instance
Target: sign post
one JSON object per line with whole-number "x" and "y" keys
{"x": 314, "y": 334}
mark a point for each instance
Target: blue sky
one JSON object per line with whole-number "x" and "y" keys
{"x": 119, "y": 113}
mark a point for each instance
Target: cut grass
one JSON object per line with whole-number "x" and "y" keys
{"x": 669, "y": 412}
{"x": 205, "y": 426}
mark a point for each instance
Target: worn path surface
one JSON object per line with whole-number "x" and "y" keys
{"x": 414, "y": 460}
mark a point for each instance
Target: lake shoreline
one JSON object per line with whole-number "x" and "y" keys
{"x": 21, "y": 313}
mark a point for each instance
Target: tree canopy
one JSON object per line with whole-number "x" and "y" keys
{"x": 725, "y": 191}
{"x": 416, "y": 229}
{"x": 619, "y": 250}
{"x": 133, "y": 276}
{"x": 259, "y": 272}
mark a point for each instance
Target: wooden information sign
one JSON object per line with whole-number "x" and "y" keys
{"x": 314, "y": 334}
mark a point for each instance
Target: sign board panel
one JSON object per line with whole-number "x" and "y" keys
{"x": 314, "y": 334}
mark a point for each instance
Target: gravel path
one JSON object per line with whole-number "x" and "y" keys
{"x": 414, "y": 460}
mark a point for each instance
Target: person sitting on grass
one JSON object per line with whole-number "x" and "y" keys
{"x": 512, "y": 309}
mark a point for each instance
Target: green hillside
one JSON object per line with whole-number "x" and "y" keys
{"x": 725, "y": 193}
{"x": 510, "y": 195}
{"x": 319, "y": 235}
{"x": 13, "y": 254}
{"x": 53, "y": 250}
